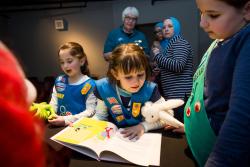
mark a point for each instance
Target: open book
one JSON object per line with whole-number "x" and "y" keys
{"x": 102, "y": 140}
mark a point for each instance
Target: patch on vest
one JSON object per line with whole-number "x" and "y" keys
{"x": 60, "y": 95}
{"x": 116, "y": 109}
{"x": 136, "y": 109}
{"x": 197, "y": 106}
{"x": 188, "y": 112}
{"x": 112, "y": 100}
{"x": 61, "y": 79}
{"x": 119, "y": 118}
{"x": 63, "y": 111}
{"x": 60, "y": 87}
{"x": 85, "y": 89}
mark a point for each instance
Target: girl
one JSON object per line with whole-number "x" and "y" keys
{"x": 70, "y": 93}
{"x": 121, "y": 95}
{"x": 176, "y": 64}
{"x": 158, "y": 37}
{"x": 217, "y": 114}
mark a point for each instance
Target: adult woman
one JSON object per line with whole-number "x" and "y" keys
{"x": 176, "y": 64}
{"x": 126, "y": 33}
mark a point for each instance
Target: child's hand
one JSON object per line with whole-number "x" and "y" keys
{"x": 57, "y": 121}
{"x": 177, "y": 130}
{"x": 155, "y": 51}
{"x": 133, "y": 133}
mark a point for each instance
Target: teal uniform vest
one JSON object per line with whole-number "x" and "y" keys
{"x": 200, "y": 135}
{"x": 119, "y": 114}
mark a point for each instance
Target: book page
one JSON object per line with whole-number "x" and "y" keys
{"x": 105, "y": 140}
{"x": 87, "y": 132}
{"x": 145, "y": 151}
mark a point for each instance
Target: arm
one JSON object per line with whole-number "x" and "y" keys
{"x": 53, "y": 100}
{"x": 101, "y": 111}
{"x": 232, "y": 145}
{"x": 180, "y": 51}
{"x": 89, "y": 112}
{"x": 135, "y": 132}
{"x": 109, "y": 45}
{"x": 67, "y": 120}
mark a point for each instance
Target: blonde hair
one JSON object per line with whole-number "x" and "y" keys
{"x": 76, "y": 50}
{"x": 127, "y": 58}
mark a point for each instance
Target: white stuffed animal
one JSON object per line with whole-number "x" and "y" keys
{"x": 162, "y": 111}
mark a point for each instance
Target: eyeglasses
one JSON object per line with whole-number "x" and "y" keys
{"x": 128, "y": 18}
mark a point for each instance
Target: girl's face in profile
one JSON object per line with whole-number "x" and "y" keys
{"x": 131, "y": 82}
{"x": 219, "y": 19}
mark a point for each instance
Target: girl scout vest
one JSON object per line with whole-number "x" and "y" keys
{"x": 71, "y": 99}
{"x": 200, "y": 135}
{"x": 119, "y": 114}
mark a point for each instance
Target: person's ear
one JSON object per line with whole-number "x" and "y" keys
{"x": 114, "y": 73}
{"x": 82, "y": 61}
{"x": 246, "y": 11}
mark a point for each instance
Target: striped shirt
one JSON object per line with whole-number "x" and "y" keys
{"x": 176, "y": 65}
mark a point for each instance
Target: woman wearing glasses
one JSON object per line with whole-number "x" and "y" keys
{"x": 126, "y": 33}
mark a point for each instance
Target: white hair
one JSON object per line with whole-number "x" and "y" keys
{"x": 130, "y": 10}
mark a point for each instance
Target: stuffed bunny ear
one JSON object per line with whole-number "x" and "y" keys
{"x": 171, "y": 103}
{"x": 170, "y": 120}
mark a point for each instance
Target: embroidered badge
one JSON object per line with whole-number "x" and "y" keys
{"x": 61, "y": 79}
{"x": 116, "y": 109}
{"x": 120, "y": 39}
{"x": 188, "y": 111}
{"x": 60, "y": 95}
{"x": 62, "y": 110}
{"x": 85, "y": 89}
{"x": 60, "y": 87}
{"x": 120, "y": 118}
{"x": 112, "y": 100}
{"x": 136, "y": 109}
{"x": 197, "y": 107}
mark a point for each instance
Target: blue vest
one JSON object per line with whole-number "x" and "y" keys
{"x": 71, "y": 99}
{"x": 123, "y": 117}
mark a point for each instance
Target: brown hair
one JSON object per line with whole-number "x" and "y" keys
{"x": 238, "y": 4}
{"x": 77, "y": 51}
{"x": 127, "y": 58}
